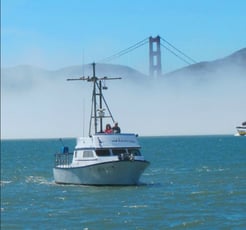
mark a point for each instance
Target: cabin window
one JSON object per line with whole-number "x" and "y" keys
{"x": 78, "y": 154}
{"x": 103, "y": 152}
{"x": 134, "y": 152}
{"x": 88, "y": 154}
{"x": 118, "y": 151}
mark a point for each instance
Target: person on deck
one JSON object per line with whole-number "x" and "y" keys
{"x": 108, "y": 129}
{"x": 116, "y": 128}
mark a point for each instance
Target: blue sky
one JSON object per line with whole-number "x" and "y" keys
{"x": 55, "y": 34}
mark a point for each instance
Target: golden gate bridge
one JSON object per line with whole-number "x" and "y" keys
{"x": 155, "y": 45}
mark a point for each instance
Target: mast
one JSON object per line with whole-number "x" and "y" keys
{"x": 94, "y": 96}
{"x": 97, "y": 111}
{"x": 100, "y": 105}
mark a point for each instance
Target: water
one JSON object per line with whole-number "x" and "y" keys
{"x": 195, "y": 182}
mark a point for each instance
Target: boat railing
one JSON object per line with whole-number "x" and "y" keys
{"x": 63, "y": 159}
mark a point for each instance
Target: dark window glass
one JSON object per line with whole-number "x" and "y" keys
{"x": 103, "y": 152}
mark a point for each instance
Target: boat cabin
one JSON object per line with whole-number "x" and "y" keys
{"x": 102, "y": 146}
{"x": 113, "y": 154}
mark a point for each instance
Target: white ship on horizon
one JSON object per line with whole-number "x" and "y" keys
{"x": 241, "y": 130}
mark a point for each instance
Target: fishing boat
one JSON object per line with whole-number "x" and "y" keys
{"x": 241, "y": 130}
{"x": 101, "y": 158}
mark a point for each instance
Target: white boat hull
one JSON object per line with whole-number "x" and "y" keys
{"x": 241, "y": 132}
{"x": 108, "y": 173}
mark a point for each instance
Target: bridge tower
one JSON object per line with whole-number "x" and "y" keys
{"x": 154, "y": 56}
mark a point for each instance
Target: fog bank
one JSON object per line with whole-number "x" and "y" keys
{"x": 50, "y": 106}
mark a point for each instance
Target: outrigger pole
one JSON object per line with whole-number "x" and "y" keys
{"x": 97, "y": 113}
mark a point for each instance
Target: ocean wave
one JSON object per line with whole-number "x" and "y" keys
{"x": 4, "y": 182}
{"x": 199, "y": 192}
{"x": 135, "y": 206}
{"x": 209, "y": 169}
{"x": 38, "y": 180}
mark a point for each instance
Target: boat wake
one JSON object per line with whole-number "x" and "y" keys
{"x": 38, "y": 180}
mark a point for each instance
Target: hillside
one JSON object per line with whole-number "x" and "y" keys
{"x": 234, "y": 64}
{"x": 26, "y": 77}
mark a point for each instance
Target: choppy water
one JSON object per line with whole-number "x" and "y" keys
{"x": 196, "y": 182}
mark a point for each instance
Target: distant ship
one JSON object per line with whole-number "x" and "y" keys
{"x": 241, "y": 130}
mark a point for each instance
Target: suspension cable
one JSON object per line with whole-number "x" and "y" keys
{"x": 191, "y": 59}
{"x": 176, "y": 55}
{"x": 179, "y": 54}
{"x": 125, "y": 51}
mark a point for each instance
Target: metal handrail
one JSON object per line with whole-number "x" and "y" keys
{"x": 63, "y": 159}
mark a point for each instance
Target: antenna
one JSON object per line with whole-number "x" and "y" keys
{"x": 83, "y": 118}
{"x": 83, "y": 62}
